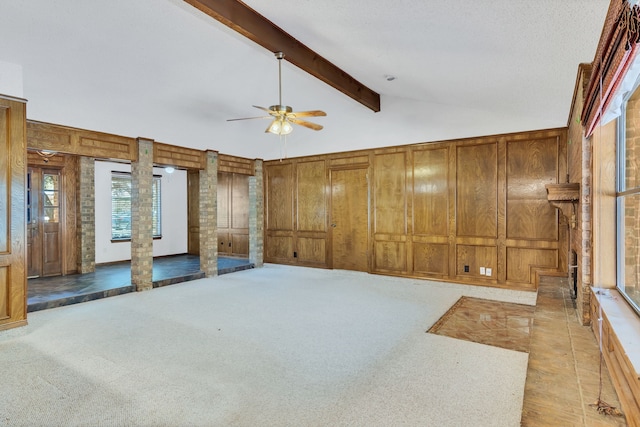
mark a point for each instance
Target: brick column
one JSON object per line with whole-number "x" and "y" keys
{"x": 86, "y": 226}
{"x": 209, "y": 215}
{"x": 256, "y": 216}
{"x": 142, "y": 217}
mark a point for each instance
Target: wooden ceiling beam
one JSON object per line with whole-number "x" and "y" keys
{"x": 246, "y": 21}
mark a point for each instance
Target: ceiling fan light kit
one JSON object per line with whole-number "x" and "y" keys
{"x": 283, "y": 115}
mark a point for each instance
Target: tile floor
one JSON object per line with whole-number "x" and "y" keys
{"x": 500, "y": 324}
{"x": 115, "y": 279}
{"x": 563, "y": 379}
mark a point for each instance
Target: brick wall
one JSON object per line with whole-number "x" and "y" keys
{"x": 632, "y": 203}
{"x": 142, "y": 217}
{"x": 209, "y": 215}
{"x": 86, "y": 226}
{"x": 256, "y": 216}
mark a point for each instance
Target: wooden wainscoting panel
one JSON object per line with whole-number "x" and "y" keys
{"x": 233, "y": 164}
{"x": 171, "y": 155}
{"x": 44, "y": 136}
{"x": 431, "y": 192}
{"x": 389, "y": 189}
{"x": 5, "y": 291}
{"x": 311, "y": 197}
{"x": 240, "y": 244}
{"x": 5, "y": 180}
{"x": 530, "y": 166}
{"x": 106, "y": 146}
{"x": 477, "y": 191}
{"x": 349, "y": 161}
{"x": 279, "y": 200}
{"x": 193, "y": 212}
{"x": 224, "y": 220}
{"x": 279, "y": 249}
{"x": 521, "y": 263}
{"x": 312, "y": 250}
{"x": 476, "y": 256}
{"x": 240, "y": 202}
{"x": 390, "y": 256}
{"x": 431, "y": 258}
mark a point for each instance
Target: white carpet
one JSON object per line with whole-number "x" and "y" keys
{"x": 276, "y": 346}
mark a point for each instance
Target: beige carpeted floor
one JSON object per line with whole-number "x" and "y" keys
{"x": 276, "y": 346}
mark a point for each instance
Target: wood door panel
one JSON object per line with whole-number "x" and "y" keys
{"x": 312, "y": 250}
{"x": 431, "y": 192}
{"x": 279, "y": 248}
{"x": 311, "y": 196}
{"x": 477, "y": 190}
{"x": 431, "y": 258}
{"x": 520, "y": 262}
{"x": 279, "y": 187}
{"x": 390, "y": 256}
{"x": 390, "y": 214}
{"x": 350, "y": 219}
{"x": 51, "y": 263}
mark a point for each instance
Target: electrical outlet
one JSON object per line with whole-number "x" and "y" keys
{"x": 482, "y": 271}
{"x": 466, "y": 268}
{"x": 488, "y": 271}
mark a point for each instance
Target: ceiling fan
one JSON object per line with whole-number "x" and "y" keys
{"x": 283, "y": 115}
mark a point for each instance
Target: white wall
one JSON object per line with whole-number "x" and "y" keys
{"x": 11, "y": 80}
{"x": 174, "y": 214}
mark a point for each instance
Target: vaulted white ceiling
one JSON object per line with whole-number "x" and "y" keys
{"x": 162, "y": 69}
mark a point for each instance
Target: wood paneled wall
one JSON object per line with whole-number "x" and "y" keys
{"x": 445, "y": 210}
{"x": 13, "y": 252}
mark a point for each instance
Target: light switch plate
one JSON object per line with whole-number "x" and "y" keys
{"x": 482, "y": 271}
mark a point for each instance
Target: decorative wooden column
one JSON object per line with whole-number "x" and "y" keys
{"x": 86, "y": 225}
{"x": 256, "y": 216}
{"x": 209, "y": 215}
{"x": 13, "y": 239}
{"x": 142, "y": 217}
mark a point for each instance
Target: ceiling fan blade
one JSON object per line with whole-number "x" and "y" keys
{"x": 305, "y": 123}
{"x": 249, "y": 118}
{"x": 312, "y": 113}
{"x": 271, "y": 112}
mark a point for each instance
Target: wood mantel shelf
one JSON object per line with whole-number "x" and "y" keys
{"x": 568, "y": 192}
{"x": 564, "y": 197}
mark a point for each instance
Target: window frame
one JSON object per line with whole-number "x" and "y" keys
{"x": 622, "y": 192}
{"x": 156, "y": 207}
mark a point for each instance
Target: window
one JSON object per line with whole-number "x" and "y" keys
{"x": 628, "y": 200}
{"x": 121, "y": 206}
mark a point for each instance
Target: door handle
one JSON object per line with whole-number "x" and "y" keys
{"x": 333, "y": 225}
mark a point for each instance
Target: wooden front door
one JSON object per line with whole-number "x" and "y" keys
{"x": 44, "y": 245}
{"x": 350, "y": 219}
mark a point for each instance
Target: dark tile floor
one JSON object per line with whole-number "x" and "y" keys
{"x": 115, "y": 279}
